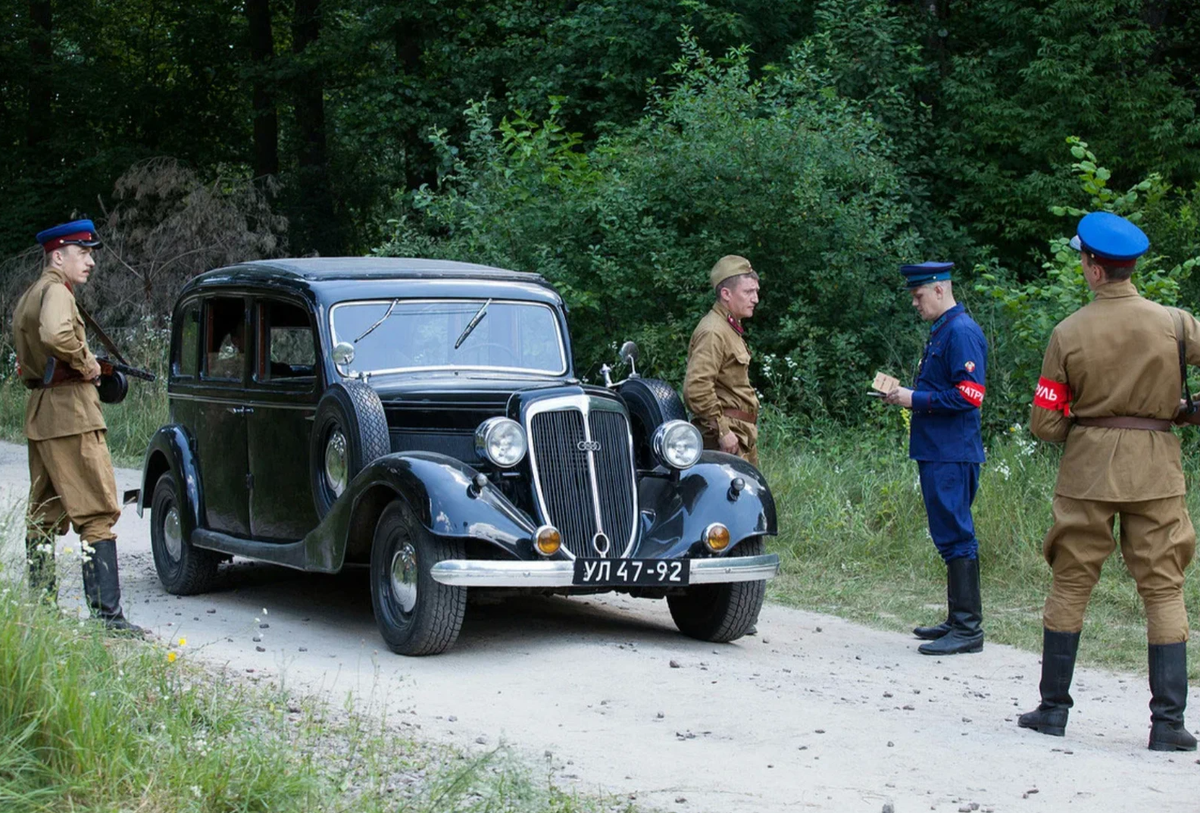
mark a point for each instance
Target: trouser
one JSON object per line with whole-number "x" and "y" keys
{"x": 1157, "y": 543}
{"x": 747, "y": 435}
{"x": 71, "y": 483}
{"x": 949, "y": 490}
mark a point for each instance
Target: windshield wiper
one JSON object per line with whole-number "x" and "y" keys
{"x": 382, "y": 319}
{"x": 475, "y": 320}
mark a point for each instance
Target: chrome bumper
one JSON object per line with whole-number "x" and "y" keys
{"x": 487, "y": 573}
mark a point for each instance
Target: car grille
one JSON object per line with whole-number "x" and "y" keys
{"x": 558, "y": 448}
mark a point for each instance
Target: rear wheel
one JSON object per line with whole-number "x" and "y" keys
{"x": 183, "y": 569}
{"x": 415, "y": 614}
{"x": 721, "y": 612}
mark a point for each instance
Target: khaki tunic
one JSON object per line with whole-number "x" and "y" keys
{"x": 71, "y": 479}
{"x": 46, "y": 323}
{"x": 717, "y": 379}
{"x": 1118, "y": 356}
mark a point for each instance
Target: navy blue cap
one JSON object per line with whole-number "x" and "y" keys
{"x": 917, "y": 275}
{"x": 75, "y": 233}
{"x": 1110, "y": 237}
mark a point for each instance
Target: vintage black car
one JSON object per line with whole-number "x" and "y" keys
{"x": 423, "y": 418}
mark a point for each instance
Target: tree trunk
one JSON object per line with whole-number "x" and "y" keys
{"x": 37, "y": 123}
{"x": 318, "y": 223}
{"x": 266, "y": 119}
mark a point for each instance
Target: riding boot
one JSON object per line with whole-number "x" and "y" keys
{"x": 966, "y": 611}
{"x": 938, "y": 630}
{"x": 102, "y": 587}
{"x": 39, "y": 559}
{"x": 1058, "y": 668}
{"x": 1168, "y": 698}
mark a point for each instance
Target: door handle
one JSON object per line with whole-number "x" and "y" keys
{"x": 240, "y": 410}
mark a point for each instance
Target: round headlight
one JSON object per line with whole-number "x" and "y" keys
{"x": 501, "y": 441}
{"x": 677, "y": 444}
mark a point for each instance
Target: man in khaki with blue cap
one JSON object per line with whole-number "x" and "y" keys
{"x": 1110, "y": 386}
{"x": 71, "y": 480}
{"x": 717, "y": 387}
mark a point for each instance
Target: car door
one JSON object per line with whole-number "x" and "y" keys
{"x": 284, "y": 393}
{"x": 219, "y": 407}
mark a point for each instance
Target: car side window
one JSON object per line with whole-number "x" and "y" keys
{"x": 187, "y": 361}
{"x": 224, "y": 338}
{"x": 287, "y": 346}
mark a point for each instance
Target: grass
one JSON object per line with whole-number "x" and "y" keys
{"x": 90, "y": 722}
{"x": 854, "y": 542}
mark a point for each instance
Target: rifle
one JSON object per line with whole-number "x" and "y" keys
{"x": 56, "y": 374}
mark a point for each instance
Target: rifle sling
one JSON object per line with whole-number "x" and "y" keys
{"x": 101, "y": 335}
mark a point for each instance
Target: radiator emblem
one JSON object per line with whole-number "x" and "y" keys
{"x": 588, "y": 446}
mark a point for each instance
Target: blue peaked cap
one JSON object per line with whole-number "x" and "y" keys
{"x": 917, "y": 275}
{"x": 77, "y": 233}
{"x": 1110, "y": 237}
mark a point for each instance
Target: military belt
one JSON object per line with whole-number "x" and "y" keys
{"x": 749, "y": 417}
{"x": 1128, "y": 422}
{"x": 37, "y": 384}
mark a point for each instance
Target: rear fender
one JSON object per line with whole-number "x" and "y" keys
{"x": 439, "y": 491}
{"x": 675, "y": 511}
{"x": 172, "y": 449}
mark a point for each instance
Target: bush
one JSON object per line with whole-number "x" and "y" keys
{"x": 781, "y": 170}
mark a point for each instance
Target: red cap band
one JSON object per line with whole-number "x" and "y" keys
{"x": 77, "y": 237}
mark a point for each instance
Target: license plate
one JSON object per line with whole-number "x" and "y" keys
{"x": 632, "y": 572}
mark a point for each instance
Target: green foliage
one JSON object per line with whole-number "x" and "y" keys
{"x": 779, "y": 169}
{"x": 1031, "y": 310}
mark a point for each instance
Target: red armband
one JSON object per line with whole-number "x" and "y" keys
{"x": 972, "y": 392}
{"x": 1053, "y": 396}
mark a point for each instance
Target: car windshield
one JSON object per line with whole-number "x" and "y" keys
{"x": 405, "y": 334}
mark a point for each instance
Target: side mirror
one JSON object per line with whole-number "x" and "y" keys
{"x": 343, "y": 353}
{"x": 628, "y": 354}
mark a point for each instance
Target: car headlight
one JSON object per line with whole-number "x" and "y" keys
{"x": 502, "y": 441}
{"x": 677, "y": 444}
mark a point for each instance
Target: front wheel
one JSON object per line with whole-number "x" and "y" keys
{"x": 416, "y": 615}
{"x": 721, "y": 612}
{"x": 183, "y": 569}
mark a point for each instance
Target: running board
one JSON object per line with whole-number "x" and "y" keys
{"x": 287, "y": 554}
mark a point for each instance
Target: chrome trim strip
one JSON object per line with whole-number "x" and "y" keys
{"x": 204, "y": 399}
{"x": 488, "y": 573}
{"x": 562, "y": 348}
{"x": 584, "y": 404}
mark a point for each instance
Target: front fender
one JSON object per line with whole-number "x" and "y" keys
{"x": 675, "y": 512}
{"x": 438, "y": 489}
{"x": 172, "y": 449}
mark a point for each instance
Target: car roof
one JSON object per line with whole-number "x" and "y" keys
{"x": 330, "y": 276}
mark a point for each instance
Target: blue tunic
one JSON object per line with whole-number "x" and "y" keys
{"x": 946, "y": 439}
{"x": 948, "y": 392}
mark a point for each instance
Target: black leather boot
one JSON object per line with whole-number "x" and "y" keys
{"x": 1168, "y": 698}
{"x": 39, "y": 560}
{"x": 938, "y": 630}
{"x": 966, "y": 611}
{"x": 102, "y": 587}
{"x": 1058, "y": 668}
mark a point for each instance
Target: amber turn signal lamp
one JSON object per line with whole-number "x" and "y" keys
{"x": 547, "y": 541}
{"x": 716, "y": 537}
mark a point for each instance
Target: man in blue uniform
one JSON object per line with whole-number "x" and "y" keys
{"x": 946, "y": 443}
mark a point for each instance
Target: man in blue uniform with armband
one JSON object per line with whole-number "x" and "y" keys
{"x": 946, "y": 442}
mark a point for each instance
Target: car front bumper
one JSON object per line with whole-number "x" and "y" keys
{"x": 489, "y": 573}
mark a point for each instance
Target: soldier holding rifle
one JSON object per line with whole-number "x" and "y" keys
{"x": 71, "y": 479}
{"x": 1109, "y": 388}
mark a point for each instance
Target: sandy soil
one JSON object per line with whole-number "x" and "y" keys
{"x": 812, "y": 713}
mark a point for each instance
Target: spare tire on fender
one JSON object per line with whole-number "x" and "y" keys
{"x": 651, "y": 402}
{"x": 349, "y": 431}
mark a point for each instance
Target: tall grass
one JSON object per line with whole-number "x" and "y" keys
{"x": 854, "y": 540}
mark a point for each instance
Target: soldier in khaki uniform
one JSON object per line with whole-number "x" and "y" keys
{"x": 1110, "y": 387}
{"x": 71, "y": 480}
{"x": 717, "y": 385}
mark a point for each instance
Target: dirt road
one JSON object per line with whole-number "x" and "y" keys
{"x": 813, "y": 713}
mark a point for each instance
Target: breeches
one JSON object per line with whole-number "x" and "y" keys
{"x": 71, "y": 482}
{"x": 747, "y": 435}
{"x": 1157, "y": 543}
{"x": 948, "y": 490}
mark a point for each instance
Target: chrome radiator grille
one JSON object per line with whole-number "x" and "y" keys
{"x": 584, "y": 471}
